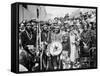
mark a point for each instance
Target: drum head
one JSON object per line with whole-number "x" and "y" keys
{"x": 55, "y": 48}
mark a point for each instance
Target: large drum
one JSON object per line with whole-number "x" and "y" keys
{"x": 55, "y": 48}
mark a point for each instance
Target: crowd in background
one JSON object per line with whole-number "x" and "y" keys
{"x": 65, "y": 23}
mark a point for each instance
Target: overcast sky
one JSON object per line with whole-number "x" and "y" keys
{"x": 61, "y": 11}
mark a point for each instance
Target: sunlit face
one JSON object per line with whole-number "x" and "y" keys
{"x": 35, "y": 28}
{"x": 22, "y": 26}
{"x": 65, "y": 38}
{"x": 45, "y": 27}
{"x": 56, "y": 30}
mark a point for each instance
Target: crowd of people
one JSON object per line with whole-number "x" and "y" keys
{"x": 72, "y": 38}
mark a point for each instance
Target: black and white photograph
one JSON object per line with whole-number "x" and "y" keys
{"x": 53, "y": 38}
